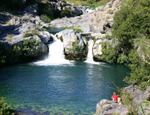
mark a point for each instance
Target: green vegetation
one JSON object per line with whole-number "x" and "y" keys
{"x": 72, "y": 27}
{"x": 65, "y": 12}
{"x": 38, "y": 26}
{"x": 45, "y": 18}
{"x": 30, "y": 47}
{"x": 131, "y": 39}
{"x": 8, "y": 55}
{"x": 45, "y": 12}
{"x": 4, "y": 108}
{"x": 33, "y": 32}
{"x": 127, "y": 101}
{"x": 91, "y": 3}
{"x": 76, "y": 49}
{"x": 107, "y": 36}
{"x": 9, "y": 37}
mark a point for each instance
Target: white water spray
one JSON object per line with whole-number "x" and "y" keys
{"x": 90, "y": 54}
{"x": 56, "y": 54}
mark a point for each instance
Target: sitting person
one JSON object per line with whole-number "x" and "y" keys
{"x": 114, "y": 97}
{"x": 119, "y": 99}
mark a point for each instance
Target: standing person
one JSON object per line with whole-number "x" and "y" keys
{"x": 114, "y": 97}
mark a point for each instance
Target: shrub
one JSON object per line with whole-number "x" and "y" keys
{"x": 107, "y": 36}
{"x": 127, "y": 101}
{"x": 130, "y": 21}
{"x": 45, "y": 9}
{"x": 30, "y": 47}
{"x": 76, "y": 49}
{"x": 9, "y": 37}
{"x": 102, "y": 32}
{"x": 8, "y": 54}
{"x": 45, "y": 18}
{"x": 110, "y": 11}
{"x": 65, "y": 12}
{"x": 4, "y": 108}
{"x": 33, "y": 32}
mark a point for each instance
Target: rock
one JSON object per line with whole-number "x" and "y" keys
{"x": 69, "y": 37}
{"x": 107, "y": 107}
{"x": 45, "y": 36}
{"x": 137, "y": 93}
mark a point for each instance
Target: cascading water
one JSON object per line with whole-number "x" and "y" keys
{"x": 90, "y": 54}
{"x": 56, "y": 54}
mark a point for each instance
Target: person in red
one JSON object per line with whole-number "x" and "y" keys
{"x": 114, "y": 97}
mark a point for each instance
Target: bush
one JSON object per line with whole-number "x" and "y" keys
{"x": 45, "y": 18}
{"x": 107, "y": 36}
{"x": 65, "y": 12}
{"x": 33, "y": 32}
{"x": 76, "y": 49}
{"x": 4, "y": 108}
{"x": 45, "y": 9}
{"x": 7, "y": 55}
{"x": 130, "y": 21}
{"x": 30, "y": 47}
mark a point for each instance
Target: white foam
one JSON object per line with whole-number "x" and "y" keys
{"x": 90, "y": 54}
{"x": 56, "y": 55}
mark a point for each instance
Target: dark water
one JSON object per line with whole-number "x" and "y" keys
{"x": 63, "y": 89}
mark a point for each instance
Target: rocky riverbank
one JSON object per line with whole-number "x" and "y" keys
{"x": 140, "y": 99}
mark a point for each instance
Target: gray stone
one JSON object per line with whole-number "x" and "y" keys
{"x": 45, "y": 36}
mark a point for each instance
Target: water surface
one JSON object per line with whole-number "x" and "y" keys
{"x": 73, "y": 88}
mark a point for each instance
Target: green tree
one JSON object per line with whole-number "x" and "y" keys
{"x": 130, "y": 21}
{"x": 30, "y": 47}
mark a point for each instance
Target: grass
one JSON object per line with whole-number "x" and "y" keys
{"x": 110, "y": 11}
{"x": 38, "y": 26}
{"x": 89, "y": 3}
{"x": 33, "y": 32}
{"x": 9, "y": 37}
{"x": 72, "y": 27}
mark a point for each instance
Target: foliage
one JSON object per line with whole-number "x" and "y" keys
{"x": 130, "y": 21}
{"x": 110, "y": 11}
{"x": 127, "y": 101}
{"x": 9, "y": 37}
{"x": 30, "y": 47}
{"x": 33, "y": 32}
{"x": 109, "y": 37}
{"x": 45, "y": 18}
{"x": 146, "y": 103}
{"x": 45, "y": 10}
{"x": 38, "y": 26}
{"x": 7, "y": 55}
{"x": 90, "y": 3}
{"x": 4, "y": 108}
{"x": 65, "y": 12}
{"x": 72, "y": 27}
{"x": 76, "y": 49}
{"x": 140, "y": 71}
{"x": 102, "y": 32}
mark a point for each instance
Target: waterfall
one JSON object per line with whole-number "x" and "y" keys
{"x": 90, "y": 54}
{"x": 56, "y": 54}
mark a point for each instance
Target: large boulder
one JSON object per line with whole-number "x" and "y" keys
{"x": 72, "y": 41}
{"x": 45, "y": 36}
